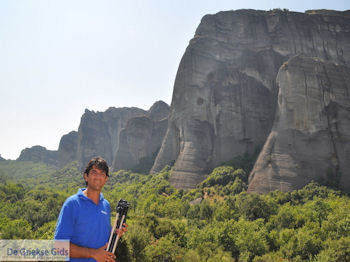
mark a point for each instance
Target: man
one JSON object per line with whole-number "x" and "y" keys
{"x": 85, "y": 217}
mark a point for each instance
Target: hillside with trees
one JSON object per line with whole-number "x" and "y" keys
{"x": 217, "y": 221}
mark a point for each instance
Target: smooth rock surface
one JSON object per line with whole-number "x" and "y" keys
{"x": 140, "y": 140}
{"x": 139, "y": 144}
{"x": 310, "y": 139}
{"x": 225, "y": 92}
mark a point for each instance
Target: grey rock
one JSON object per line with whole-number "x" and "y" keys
{"x": 127, "y": 138}
{"x": 140, "y": 140}
{"x": 67, "y": 149}
{"x": 2, "y": 159}
{"x": 310, "y": 139}
{"x": 98, "y": 133}
{"x": 158, "y": 111}
{"x": 39, "y": 154}
{"x": 197, "y": 201}
{"x": 225, "y": 92}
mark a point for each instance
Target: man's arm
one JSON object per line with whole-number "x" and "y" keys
{"x": 100, "y": 254}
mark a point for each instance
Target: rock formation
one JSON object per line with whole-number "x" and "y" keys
{"x": 310, "y": 139}
{"x": 98, "y": 133}
{"x": 140, "y": 140}
{"x": 127, "y": 138}
{"x": 225, "y": 92}
{"x": 67, "y": 149}
{"x": 39, "y": 154}
{"x": 158, "y": 111}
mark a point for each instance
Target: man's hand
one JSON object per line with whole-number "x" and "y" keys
{"x": 121, "y": 231}
{"x": 101, "y": 255}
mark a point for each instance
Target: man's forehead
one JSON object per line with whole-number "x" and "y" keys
{"x": 95, "y": 167}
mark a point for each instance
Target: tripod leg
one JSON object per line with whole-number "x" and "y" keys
{"x": 116, "y": 241}
{"x": 112, "y": 231}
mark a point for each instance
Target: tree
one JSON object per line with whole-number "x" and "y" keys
{"x": 205, "y": 211}
{"x": 253, "y": 206}
{"x": 17, "y": 229}
{"x": 335, "y": 250}
{"x": 138, "y": 238}
{"x": 164, "y": 250}
{"x": 13, "y": 192}
{"x": 192, "y": 256}
{"x": 193, "y": 212}
{"x": 248, "y": 237}
{"x": 47, "y": 231}
{"x": 299, "y": 243}
{"x": 223, "y": 175}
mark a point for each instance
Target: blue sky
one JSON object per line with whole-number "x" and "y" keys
{"x": 58, "y": 58}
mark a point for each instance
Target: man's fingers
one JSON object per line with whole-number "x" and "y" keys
{"x": 112, "y": 256}
{"x": 104, "y": 256}
{"x": 125, "y": 227}
{"x": 121, "y": 231}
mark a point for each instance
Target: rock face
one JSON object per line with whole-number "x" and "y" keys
{"x": 98, "y": 133}
{"x": 310, "y": 139}
{"x": 127, "y": 138}
{"x": 158, "y": 111}
{"x": 39, "y": 154}
{"x": 67, "y": 149}
{"x": 225, "y": 92}
{"x": 140, "y": 140}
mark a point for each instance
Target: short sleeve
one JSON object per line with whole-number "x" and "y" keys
{"x": 65, "y": 221}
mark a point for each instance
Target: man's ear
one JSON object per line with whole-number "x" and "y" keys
{"x": 85, "y": 177}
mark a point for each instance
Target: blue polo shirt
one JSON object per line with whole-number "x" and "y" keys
{"x": 84, "y": 223}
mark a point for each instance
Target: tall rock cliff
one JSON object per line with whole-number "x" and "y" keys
{"x": 310, "y": 139}
{"x": 225, "y": 92}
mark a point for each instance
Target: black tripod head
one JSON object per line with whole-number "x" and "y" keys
{"x": 122, "y": 209}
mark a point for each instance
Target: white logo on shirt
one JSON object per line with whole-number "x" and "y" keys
{"x": 103, "y": 212}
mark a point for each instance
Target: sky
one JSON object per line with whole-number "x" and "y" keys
{"x": 58, "y": 58}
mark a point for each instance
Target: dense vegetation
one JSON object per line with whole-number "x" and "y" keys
{"x": 218, "y": 221}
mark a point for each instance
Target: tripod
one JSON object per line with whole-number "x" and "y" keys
{"x": 120, "y": 219}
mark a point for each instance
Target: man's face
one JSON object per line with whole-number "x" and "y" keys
{"x": 96, "y": 179}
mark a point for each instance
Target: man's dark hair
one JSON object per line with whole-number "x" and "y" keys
{"x": 99, "y": 162}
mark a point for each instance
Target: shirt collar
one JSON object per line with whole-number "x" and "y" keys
{"x": 81, "y": 195}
